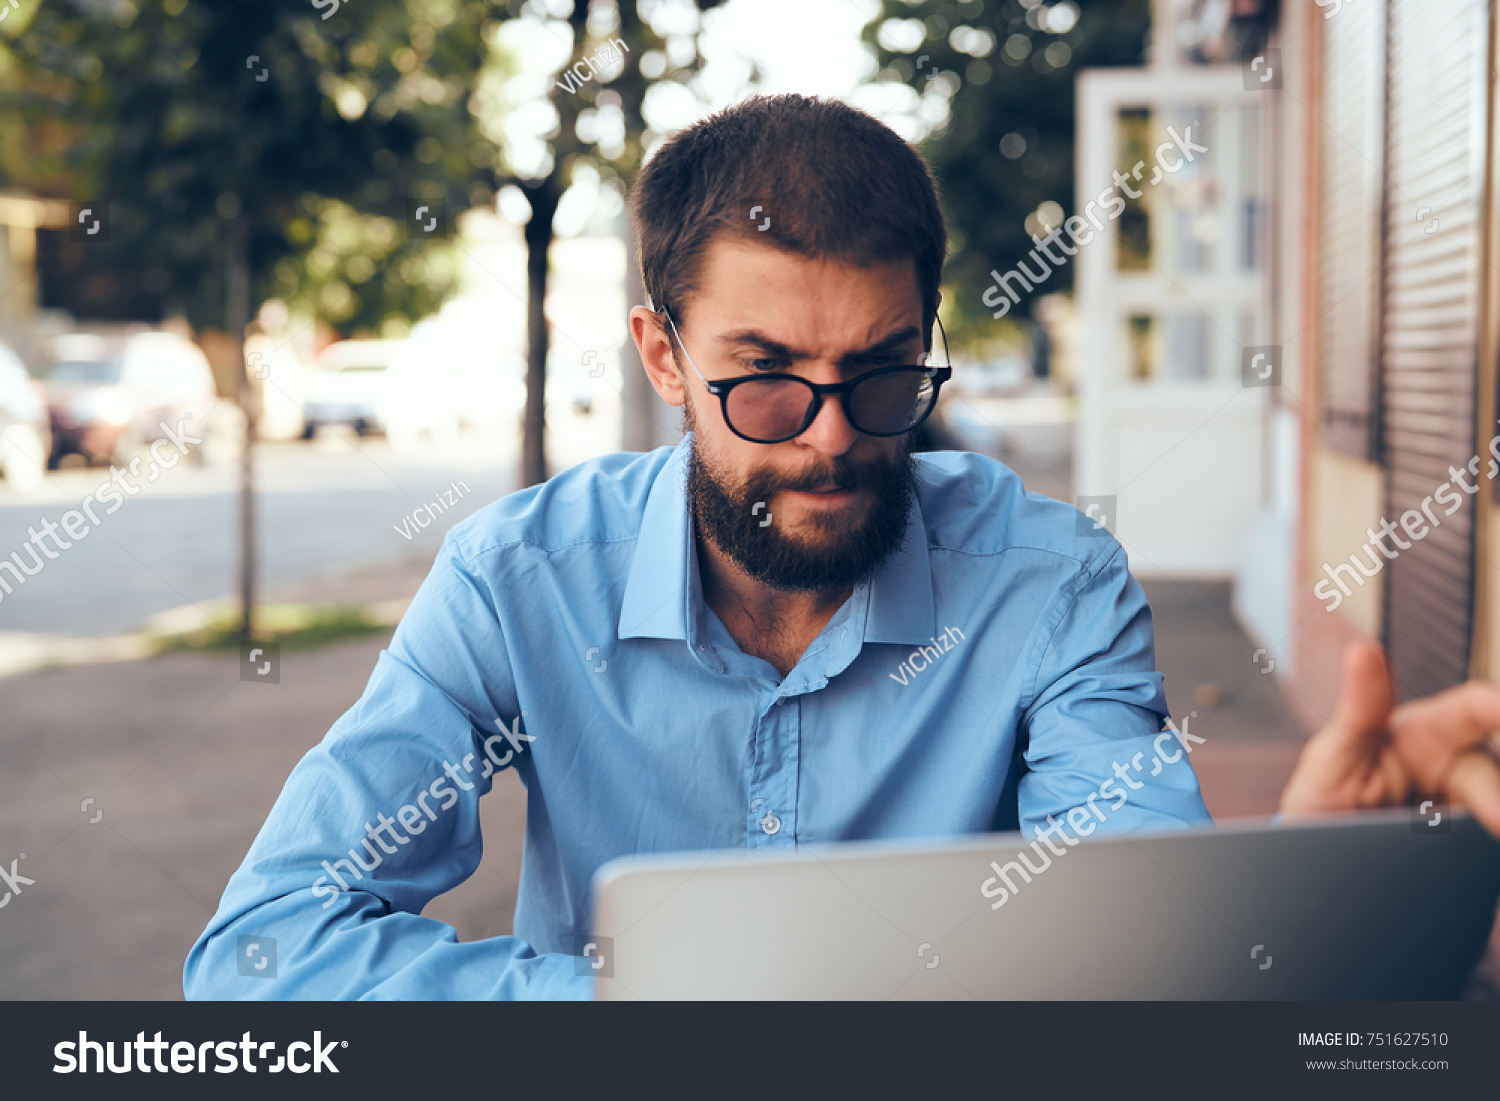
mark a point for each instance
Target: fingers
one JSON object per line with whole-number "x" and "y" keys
{"x": 1348, "y": 764}
{"x": 1366, "y": 695}
{"x": 1442, "y": 740}
{"x": 1476, "y": 785}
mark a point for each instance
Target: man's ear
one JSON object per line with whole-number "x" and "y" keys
{"x": 655, "y": 345}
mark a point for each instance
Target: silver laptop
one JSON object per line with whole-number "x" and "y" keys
{"x": 1385, "y": 905}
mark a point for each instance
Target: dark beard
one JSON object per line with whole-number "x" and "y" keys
{"x": 848, "y": 557}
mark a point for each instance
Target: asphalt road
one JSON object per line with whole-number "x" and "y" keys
{"x": 324, "y": 508}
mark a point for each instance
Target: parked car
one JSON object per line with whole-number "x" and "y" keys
{"x": 25, "y": 439}
{"x": 385, "y": 386}
{"x": 107, "y": 399}
{"x": 347, "y": 386}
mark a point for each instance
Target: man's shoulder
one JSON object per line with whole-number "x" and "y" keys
{"x": 601, "y": 500}
{"x": 975, "y": 505}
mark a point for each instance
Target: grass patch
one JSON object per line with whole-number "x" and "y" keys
{"x": 294, "y": 626}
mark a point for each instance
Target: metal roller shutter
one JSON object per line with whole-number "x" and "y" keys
{"x": 1437, "y": 64}
{"x": 1353, "y": 110}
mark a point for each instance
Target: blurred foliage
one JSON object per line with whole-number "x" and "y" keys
{"x": 1006, "y": 71}
{"x": 182, "y": 113}
{"x": 359, "y": 267}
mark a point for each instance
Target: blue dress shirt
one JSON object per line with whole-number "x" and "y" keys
{"x": 996, "y": 671}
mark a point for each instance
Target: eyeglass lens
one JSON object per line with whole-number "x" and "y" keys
{"x": 885, "y": 404}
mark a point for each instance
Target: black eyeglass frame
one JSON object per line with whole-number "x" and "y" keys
{"x": 721, "y": 389}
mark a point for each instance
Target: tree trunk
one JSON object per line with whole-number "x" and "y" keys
{"x": 237, "y": 316}
{"x": 543, "y": 197}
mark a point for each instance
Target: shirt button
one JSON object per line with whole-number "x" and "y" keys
{"x": 770, "y": 823}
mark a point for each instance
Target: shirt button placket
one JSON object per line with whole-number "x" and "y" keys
{"x": 774, "y": 777}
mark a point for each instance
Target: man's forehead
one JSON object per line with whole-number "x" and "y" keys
{"x": 745, "y": 287}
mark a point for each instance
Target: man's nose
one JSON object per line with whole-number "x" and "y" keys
{"x": 830, "y": 432}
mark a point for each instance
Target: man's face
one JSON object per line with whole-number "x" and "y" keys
{"x": 825, "y": 509}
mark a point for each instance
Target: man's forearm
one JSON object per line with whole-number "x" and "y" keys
{"x": 359, "y": 950}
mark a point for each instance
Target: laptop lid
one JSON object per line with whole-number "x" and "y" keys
{"x": 1371, "y": 906}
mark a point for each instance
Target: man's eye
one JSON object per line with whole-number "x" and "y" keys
{"x": 764, "y": 363}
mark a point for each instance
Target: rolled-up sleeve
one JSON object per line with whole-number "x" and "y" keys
{"x": 1094, "y": 736}
{"x": 387, "y": 806}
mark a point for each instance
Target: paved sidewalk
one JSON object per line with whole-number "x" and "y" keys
{"x": 1252, "y": 740}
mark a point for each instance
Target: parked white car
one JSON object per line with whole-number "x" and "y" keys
{"x": 347, "y": 386}
{"x": 384, "y": 386}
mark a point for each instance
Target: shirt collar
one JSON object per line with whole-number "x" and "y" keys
{"x": 902, "y": 609}
{"x": 657, "y": 592}
{"x": 664, "y": 596}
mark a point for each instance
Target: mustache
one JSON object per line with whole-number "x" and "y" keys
{"x": 841, "y": 473}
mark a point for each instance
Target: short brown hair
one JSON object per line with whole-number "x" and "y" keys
{"x": 834, "y": 181}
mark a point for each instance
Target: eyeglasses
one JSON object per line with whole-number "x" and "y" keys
{"x": 774, "y": 408}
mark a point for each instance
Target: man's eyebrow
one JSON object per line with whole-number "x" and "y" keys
{"x": 763, "y": 342}
{"x": 881, "y": 349}
{"x": 885, "y": 347}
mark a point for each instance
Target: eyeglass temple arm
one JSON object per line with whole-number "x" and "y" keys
{"x": 947, "y": 359}
{"x": 680, "y": 344}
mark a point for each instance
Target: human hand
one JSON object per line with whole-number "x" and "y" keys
{"x": 1373, "y": 753}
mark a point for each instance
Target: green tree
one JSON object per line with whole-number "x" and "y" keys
{"x": 324, "y": 135}
{"x": 1007, "y": 70}
{"x": 234, "y": 139}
